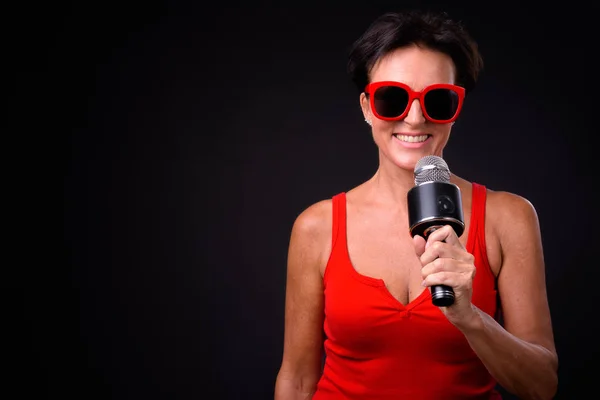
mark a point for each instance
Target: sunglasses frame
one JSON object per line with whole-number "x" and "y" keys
{"x": 412, "y": 95}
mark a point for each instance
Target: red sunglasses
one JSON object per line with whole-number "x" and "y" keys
{"x": 390, "y": 101}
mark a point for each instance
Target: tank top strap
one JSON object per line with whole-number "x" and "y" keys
{"x": 478, "y": 210}
{"x": 476, "y": 216}
{"x": 476, "y": 241}
{"x": 338, "y": 229}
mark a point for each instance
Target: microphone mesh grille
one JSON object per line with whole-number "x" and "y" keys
{"x": 431, "y": 169}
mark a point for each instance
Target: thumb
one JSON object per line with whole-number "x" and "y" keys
{"x": 419, "y": 243}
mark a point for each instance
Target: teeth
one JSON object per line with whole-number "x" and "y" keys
{"x": 412, "y": 139}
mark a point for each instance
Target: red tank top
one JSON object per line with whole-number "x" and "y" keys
{"x": 377, "y": 348}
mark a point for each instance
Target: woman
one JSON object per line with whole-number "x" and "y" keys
{"x": 358, "y": 284}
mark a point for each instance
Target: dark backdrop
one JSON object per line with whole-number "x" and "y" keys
{"x": 185, "y": 137}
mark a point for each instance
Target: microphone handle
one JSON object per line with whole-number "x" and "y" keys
{"x": 441, "y": 295}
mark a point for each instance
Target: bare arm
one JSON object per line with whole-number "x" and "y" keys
{"x": 303, "y": 338}
{"x": 521, "y": 356}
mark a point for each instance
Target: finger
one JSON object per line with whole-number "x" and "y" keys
{"x": 419, "y": 243}
{"x": 439, "y": 249}
{"x": 444, "y": 234}
{"x": 441, "y": 278}
{"x": 441, "y": 265}
{"x": 432, "y": 267}
{"x": 461, "y": 271}
{"x": 433, "y": 251}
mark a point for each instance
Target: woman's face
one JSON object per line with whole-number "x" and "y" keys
{"x": 404, "y": 142}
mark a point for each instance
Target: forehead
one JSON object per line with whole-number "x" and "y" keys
{"x": 416, "y": 66}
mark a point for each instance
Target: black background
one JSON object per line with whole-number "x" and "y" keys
{"x": 183, "y": 138}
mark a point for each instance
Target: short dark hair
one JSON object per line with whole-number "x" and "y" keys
{"x": 426, "y": 28}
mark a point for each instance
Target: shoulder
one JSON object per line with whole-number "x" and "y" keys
{"x": 508, "y": 211}
{"x": 512, "y": 232}
{"x": 504, "y": 209}
{"x": 315, "y": 218}
{"x": 512, "y": 223}
{"x": 313, "y": 225}
{"x": 311, "y": 232}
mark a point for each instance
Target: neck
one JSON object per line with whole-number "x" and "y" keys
{"x": 390, "y": 184}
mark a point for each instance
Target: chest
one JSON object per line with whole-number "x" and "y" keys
{"x": 389, "y": 256}
{"x": 383, "y": 250}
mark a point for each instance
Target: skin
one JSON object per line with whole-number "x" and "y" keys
{"x": 521, "y": 356}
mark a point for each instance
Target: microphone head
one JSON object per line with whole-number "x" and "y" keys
{"x": 431, "y": 169}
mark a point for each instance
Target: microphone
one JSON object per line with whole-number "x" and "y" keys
{"x": 432, "y": 203}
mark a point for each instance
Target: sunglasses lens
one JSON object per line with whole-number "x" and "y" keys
{"x": 441, "y": 104}
{"x": 390, "y": 101}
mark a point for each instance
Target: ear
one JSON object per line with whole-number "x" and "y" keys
{"x": 366, "y": 108}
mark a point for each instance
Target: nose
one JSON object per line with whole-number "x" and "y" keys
{"x": 415, "y": 113}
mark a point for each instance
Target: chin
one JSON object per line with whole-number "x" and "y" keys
{"x": 408, "y": 161}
